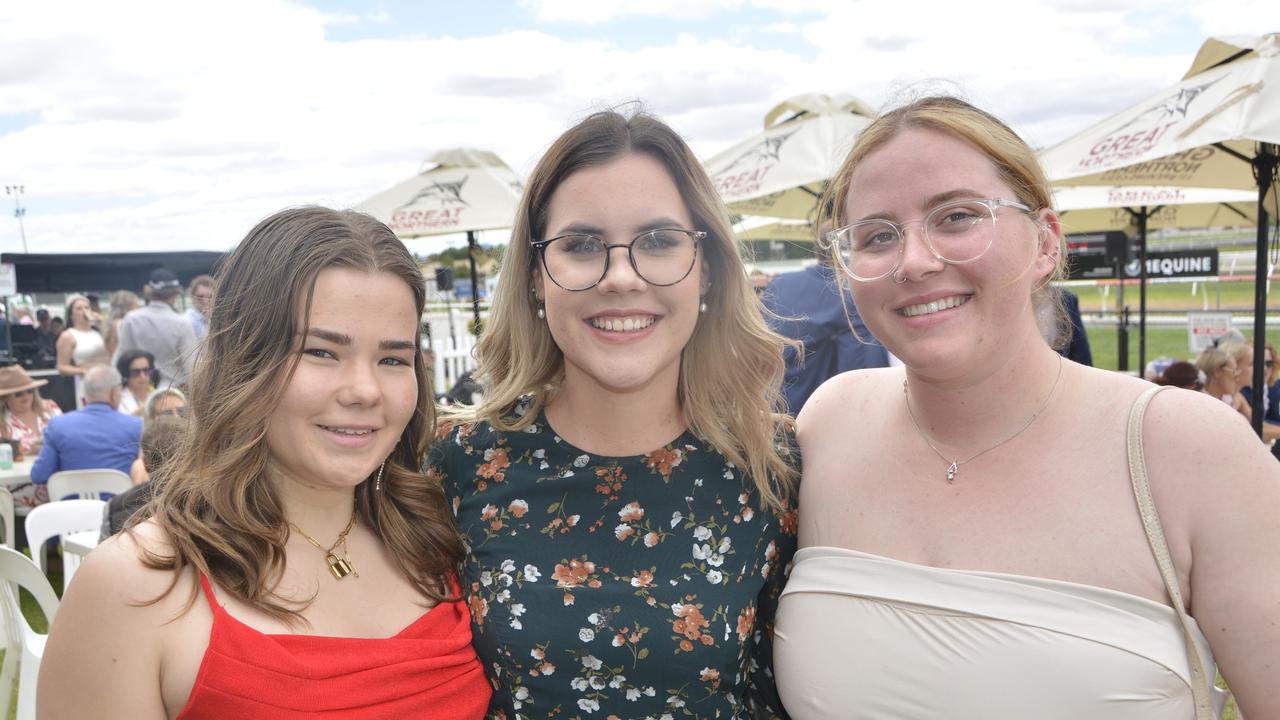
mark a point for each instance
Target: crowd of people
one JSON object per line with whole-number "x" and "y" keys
{"x": 627, "y": 522}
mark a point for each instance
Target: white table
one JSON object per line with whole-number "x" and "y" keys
{"x": 19, "y": 474}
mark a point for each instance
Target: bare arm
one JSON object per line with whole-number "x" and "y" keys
{"x": 1227, "y": 487}
{"x": 103, "y": 657}
{"x": 66, "y": 346}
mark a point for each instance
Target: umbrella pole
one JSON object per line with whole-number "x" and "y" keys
{"x": 1143, "y": 214}
{"x": 1264, "y": 168}
{"x": 473, "y": 247}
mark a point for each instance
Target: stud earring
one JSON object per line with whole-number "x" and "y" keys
{"x": 702, "y": 308}
{"x": 377, "y": 482}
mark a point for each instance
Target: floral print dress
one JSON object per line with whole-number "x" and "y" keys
{"x": 615, "y": 587}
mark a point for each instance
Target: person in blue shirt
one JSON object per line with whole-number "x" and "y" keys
{"x": 94, "y": 437}
{"x": 807, "y": 307}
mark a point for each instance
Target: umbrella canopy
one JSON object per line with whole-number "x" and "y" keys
{"x": 456, "y": 191}
{"x": 1217, "y": 128}
{"x": 782, "y": 171}
{"x": 459, "y": 190}
{"x": 1088, "y": 209}
{"x": 1202, "y": 132}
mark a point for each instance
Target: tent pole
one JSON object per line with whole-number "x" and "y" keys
{"x": 1143, "y": 214}
{"x": 473, "y": 247}
{"x": 1264, "y": 168}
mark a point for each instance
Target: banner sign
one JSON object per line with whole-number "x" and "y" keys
{"x": 1094, "y": 264}
{"x": 1203, "y": 327}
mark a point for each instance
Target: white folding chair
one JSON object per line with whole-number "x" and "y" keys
{"x": 55, "y": 519}
{"x": 9, "y": 633}
{"x": 89, "y": 484}
{"x": 18, "y": 571}
{"x": 6, "y": 512}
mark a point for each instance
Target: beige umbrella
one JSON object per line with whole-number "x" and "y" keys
{"x": 1217, "y": 128}
{"x": 459, "y": 190}
{"x": 782, "y": 171}
{"x": 1088, "y": 209}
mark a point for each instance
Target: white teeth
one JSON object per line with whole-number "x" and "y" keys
{"x": 627, "y": 324}
{"x": 932, "y": 307}
{"x": 347, "y": 431}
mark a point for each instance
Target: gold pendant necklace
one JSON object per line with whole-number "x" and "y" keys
{"x": 340, "y": 567}
{"x": 954, "y": 464}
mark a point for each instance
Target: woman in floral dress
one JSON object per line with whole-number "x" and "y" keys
{"x": 624, "y": 487}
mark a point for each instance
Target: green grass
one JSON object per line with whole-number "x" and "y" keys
{"x": 1182, "y": 297}
{"x": 1161, "y": 342}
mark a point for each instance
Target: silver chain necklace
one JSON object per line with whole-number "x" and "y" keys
{"x": 955, "y": 463}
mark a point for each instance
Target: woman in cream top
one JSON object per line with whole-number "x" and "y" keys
{"x": 971, "y": 544}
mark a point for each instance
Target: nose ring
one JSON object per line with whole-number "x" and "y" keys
{"x": 899, "y": 279}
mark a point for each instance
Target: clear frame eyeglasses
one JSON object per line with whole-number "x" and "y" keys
{"x": 661, "y": 257}
{"x": 955, "y": 232}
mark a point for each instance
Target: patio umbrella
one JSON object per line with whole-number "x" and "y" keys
{"x": 1217, "y": 128}
{"x": 782, "y": 171}
{"x": 459, "y": 190}
{"x": 1135, "y": 210}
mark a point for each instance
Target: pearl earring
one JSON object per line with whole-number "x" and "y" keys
{"x": 542, "y": 314}
{"x": 702, "y": 308}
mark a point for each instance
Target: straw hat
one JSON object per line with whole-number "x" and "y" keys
{"x": 14, "y": 379}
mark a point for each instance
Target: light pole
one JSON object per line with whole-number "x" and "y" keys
{"x": 18, "y": 211}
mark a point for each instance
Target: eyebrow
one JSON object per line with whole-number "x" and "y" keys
{"x": 577, "y": 228}
{"x": 343, "y": 339}
{"x": 931, "y": 202}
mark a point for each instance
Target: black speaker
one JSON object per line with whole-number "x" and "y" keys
{"x": 1117, "y": 247}
{"x": 444, "y": 278}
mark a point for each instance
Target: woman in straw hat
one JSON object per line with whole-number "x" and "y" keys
{"x": 23, "y": 417}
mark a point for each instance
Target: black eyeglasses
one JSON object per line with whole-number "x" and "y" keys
{"x": 661, "y": 257}
{"x": 1268, "y": 363}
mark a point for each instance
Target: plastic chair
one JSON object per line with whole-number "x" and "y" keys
{"x": 6, "y": 513}
{"x": 18, "y": 571}
{"x": 55, "y": 519}
{"x": 89, "y": 484}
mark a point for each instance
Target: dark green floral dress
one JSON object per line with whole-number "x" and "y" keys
{"x": 603, "y": 587}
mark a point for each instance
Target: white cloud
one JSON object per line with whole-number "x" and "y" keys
{"x": 166, "y": 125}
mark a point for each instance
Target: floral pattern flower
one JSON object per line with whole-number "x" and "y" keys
{"x": 602, "y": 587}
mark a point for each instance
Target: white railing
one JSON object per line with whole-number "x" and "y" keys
{"x": 452, "y": 341}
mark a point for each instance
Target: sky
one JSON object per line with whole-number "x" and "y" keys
{"x": 136, "y": 126}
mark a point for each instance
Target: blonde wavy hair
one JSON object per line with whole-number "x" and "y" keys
{"x": 1014, "y": 161}
{"x": 213, "y": 500}
{"x": 731, "y": 368}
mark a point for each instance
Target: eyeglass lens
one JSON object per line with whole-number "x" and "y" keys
{"x": 957, "y": 232}
{"x": 659, "y": 257}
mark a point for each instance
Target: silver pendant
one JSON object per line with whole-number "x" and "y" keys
{"x": 951, "y": 471}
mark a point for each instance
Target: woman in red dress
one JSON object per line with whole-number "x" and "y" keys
{"x": 295, "y": 563}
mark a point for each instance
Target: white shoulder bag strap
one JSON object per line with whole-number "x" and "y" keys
{"x": 1155, "y": 537}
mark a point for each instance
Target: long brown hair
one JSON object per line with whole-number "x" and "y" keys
{"x": 213, "y": 499}
{"x": 731, "y": 368}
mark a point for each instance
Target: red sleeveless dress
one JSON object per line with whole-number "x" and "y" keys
{"x": 427, "y": 670}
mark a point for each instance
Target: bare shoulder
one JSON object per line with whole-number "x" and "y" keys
{"x": 117, "y": 574}
{"x": 849, "y": 394}
{"x": 1194, "y": 436}
{"x": 107, "y": 644}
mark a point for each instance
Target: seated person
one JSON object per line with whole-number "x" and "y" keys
{"x": 160, "y": 439}
{"x": 166, "y": 402}
{"x": 94, "y": 437}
